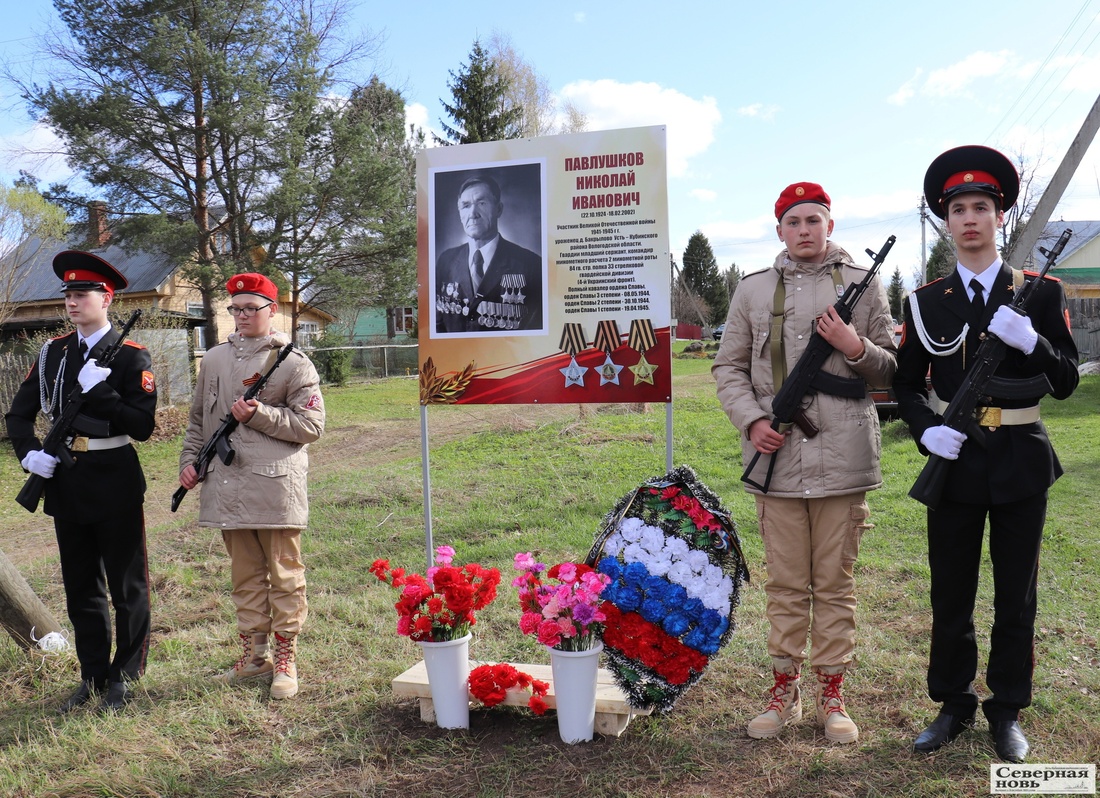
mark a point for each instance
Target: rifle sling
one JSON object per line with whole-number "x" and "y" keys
{"x": 778, "y": 351}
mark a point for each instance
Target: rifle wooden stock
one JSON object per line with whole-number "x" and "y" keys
{"x": 218, "y": 443}
{"x": 56, "y": 440}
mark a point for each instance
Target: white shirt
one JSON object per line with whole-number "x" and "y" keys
{"x": 986, "y": 278}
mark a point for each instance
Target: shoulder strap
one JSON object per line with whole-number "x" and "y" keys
{"x": 779, "y": 359}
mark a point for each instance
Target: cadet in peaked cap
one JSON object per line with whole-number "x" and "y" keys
{"x": 83, "y": 271}
{"x": 970, "y": 168}
{"x": 1004, "y": 477}
{"x": 96, "y": 498}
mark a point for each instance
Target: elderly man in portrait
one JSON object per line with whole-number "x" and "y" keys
{"x": 488, "y": 283}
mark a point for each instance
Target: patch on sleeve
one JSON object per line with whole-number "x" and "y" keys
{"x": 148, "y": 384}
{"x": 314, "y": 401}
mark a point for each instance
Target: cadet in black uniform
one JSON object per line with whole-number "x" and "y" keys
{"x": 97, "y": 505}
{"x": 1004, "y": 476}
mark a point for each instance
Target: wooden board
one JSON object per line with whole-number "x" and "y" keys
{"x": 613, "y": 711}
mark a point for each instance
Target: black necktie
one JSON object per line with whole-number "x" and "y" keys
{"x": 479, "y": 268}
{"x": 83, "y": 350}
{"x": 977, "y": 304}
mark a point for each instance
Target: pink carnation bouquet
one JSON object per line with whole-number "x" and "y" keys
{"x": 565, "y": 614}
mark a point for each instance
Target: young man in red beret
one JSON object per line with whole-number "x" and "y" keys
{"x": 1005, "y": 475}
{"x": 815, "y": 512}
{"x": 259, "y": 500}
{"x": 98, "y": 504}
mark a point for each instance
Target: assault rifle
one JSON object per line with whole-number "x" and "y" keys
{"x": 219, "y": 442}
{"x": 807, "y": 376}
{"x": 57, "y": 440}
{"x": 959, "y": 415}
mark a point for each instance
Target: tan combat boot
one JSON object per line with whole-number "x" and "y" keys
{"x": 285, "y": 683}
{"x": 786, "y": 704}
{"x": 839, "y": 728}
{"x": 254, "y": 663}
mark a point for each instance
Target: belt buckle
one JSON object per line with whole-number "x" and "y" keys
{"x": 79, "y": 444}
{"x": 989, "y": 417}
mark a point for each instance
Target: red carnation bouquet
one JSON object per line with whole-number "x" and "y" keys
{"x": 439, "y": 606}
{"x": 490, "y": 683}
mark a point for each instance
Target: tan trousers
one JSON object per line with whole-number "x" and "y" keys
{"x": 269, "y": 580}
{"x": 811, "y": 547}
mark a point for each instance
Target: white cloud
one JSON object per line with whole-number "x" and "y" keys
{"x": 704, "y": 194}
{"x": 955, "y": 80}
{"x": 906, "y": 91}
{"x": 609, "y": 104}
{"x": 759, "y": 111}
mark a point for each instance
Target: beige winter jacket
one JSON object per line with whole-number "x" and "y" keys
{"x": 265, "y": 485}
{"x": 844, "y": 456}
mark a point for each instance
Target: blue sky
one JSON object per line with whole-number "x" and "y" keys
{"x": 858, "y": 96}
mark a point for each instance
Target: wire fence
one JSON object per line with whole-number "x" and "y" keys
{"x": 378, "y": 361}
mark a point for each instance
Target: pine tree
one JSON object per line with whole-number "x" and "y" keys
{"x": 481, "y": 110}
{"x": 941, "y": 260}
{"x": 895, "y": 294}
{"x": 703, "y": 279}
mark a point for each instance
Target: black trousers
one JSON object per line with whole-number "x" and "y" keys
{"x": 97, "y": 559}
{"x": 955, "y": 533}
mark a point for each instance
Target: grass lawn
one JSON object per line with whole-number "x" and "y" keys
{"x": 508, "y": 479}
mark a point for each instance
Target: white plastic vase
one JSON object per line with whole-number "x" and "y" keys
{"x": 448, "y": 666}
{"x": 575, "y": 691}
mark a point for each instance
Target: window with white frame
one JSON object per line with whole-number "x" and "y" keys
{"x": 404, "y": 320}
{"x": 308, "y": 332}
{"x": 194, "y": 310}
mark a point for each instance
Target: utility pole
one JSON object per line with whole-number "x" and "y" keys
{"x": 1033, "y": 227}
{"x": 21, "y": 611}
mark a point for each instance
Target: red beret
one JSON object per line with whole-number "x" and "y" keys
{"x": 796, "y": 194}
{"x": 83, "y": 271}
{"x": 252, "y": 283}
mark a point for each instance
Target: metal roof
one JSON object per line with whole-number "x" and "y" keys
{"x": 144, "y": 270}
{"x": 1083, "y": 233}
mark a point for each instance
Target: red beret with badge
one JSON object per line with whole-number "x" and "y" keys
{"x": 83, "y": 271}
{"x": 970, "y": 168}
{"x": 252, "y": 283}
{"x": 796, "y": 194}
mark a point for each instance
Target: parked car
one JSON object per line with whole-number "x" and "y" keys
{"x": 885, "y": 401}
{"x": 721, "y": 328}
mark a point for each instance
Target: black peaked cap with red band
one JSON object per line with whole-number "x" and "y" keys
{"x": 83, "y": 271}
{"x": 970, "y": 168}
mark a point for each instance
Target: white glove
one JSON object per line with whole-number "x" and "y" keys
{"x": 943, "y": 441}
{"x": 91, "y": 375}
{"x": 1015, "y": 330}
{"x": 38, "y": 462}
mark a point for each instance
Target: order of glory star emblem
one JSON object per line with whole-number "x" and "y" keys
{"x": 643, "y": 371}
{"x": 609, "y": 372}
{"x": 574, "y": 373}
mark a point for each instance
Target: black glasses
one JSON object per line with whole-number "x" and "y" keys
{"x": 247, "y": 311}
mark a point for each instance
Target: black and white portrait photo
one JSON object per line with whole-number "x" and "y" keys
{"x": 490, "y": 271}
